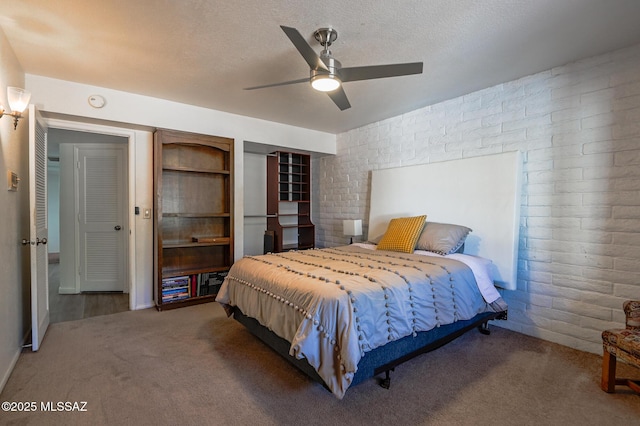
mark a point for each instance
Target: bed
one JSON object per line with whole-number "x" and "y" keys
{"x": 345, "y": 314}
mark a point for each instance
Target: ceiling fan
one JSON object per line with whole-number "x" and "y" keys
{"x": 326, "y": 72}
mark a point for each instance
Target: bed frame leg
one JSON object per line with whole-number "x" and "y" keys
{"x": 386, "y": 382}
{"x": 484, "y": 328}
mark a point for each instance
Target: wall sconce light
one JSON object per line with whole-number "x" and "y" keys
{"x": 18, "y": 100}
{"x": 352, "y": 228}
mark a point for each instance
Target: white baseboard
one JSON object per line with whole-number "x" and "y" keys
{"x": 145, "y": 306}
{"x": 14, "y": 361}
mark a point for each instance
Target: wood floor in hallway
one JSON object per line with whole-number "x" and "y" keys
{"x": 71, "y": 307}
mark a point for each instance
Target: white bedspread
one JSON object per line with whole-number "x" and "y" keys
{"x": 334, "y": 305}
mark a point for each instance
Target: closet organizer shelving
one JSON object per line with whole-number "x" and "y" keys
{"x": 289, "y": 201}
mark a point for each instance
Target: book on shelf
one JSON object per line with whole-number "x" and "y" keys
{"x": 199, "y": 284}
{"x": 170, "y": 294}
{"x": 175, "y": 281}
{"x": 173, "y": 290}
{"x": 176, "y": 297}
{"x": 192, "y": 290}
{"x": 210, "y": 282}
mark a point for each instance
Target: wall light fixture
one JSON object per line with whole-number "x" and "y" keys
{"x": 18, "y": 100}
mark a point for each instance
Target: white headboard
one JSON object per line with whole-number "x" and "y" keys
{"x": 482, "y": 193}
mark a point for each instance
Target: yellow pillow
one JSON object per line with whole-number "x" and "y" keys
{"x": 402, "y": 234}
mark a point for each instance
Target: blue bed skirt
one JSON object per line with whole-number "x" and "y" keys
{"x": 381, "y": 359}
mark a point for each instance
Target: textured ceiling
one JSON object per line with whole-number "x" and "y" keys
{"x": 205, "y": 52}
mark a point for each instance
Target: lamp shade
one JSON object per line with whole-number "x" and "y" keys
{"x": 352, "y": 227}
{"x": 18, "y": 98}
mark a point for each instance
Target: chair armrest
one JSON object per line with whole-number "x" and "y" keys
{"x": 632, "y": 313}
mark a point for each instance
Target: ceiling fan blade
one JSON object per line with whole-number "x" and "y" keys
{"x": 305, "y": 50}
{"x": 379, "y": 71}
{"x": 284, "y": 83}
{"x": 340, "y": 98}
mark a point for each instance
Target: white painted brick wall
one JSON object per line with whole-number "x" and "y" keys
{"x": 578, "y": 126}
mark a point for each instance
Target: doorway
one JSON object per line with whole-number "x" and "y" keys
{"x": 88, "y": 205}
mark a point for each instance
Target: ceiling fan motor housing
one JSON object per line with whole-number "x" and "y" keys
{"x": 333, "y": 74}
{"x": 332, "y": 64}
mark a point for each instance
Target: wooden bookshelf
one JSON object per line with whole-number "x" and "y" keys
{"x": 193, "y": 221}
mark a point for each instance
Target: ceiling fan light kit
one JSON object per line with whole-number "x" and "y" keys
{"x": 326, "y": 72}
{"x": 324, "y": 82}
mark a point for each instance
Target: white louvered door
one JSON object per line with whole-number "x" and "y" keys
{"x": 38, "y": 229}
{"x": 102, "y": 222}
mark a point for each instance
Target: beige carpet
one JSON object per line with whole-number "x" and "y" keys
{"x": 194, "y": 366}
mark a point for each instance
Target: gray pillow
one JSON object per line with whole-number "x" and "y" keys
{"x": 442, "y": 238}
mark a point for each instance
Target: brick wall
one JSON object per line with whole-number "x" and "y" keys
{"x": 578, "y": 127}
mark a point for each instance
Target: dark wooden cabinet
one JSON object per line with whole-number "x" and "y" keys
{"x": 289, "y": 201}
{"x": 193, "y": 222}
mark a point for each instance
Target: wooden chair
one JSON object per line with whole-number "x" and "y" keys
{"x": 622, "y": 344}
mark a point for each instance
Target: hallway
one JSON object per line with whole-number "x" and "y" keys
{"x": 71, "y": 307}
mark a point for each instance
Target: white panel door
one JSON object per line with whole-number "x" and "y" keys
{"x": 102, "y": 220}
{"x": 38, "y": 232}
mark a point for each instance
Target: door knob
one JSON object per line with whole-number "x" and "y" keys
{"x": 117, "y": 227}
{"x": 38, "y": 241}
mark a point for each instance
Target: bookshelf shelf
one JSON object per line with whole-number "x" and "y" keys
{"x": 194, "y": 215}
{"x": 193, "y": 244}
{"x": 191, "y": 170}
